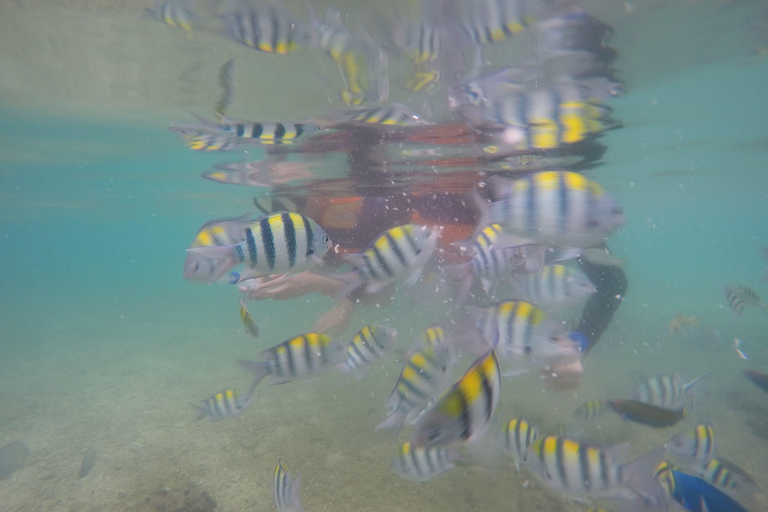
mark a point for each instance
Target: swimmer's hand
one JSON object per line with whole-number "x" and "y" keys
{"x": 285, "y": 287}
{"x": 335, "y": 321}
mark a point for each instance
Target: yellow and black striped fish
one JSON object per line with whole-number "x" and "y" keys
{"x": 464, "y": 411}
{"x": 217, "y": 232}
{"x": 422, "y": 464}
{"x": 591, "y": 409}
{"x": 520, "y": 435}
{"x": 723, "y": 473}
{"x": 228, "y": 133}
{"x": 394, "y": 115}
{"x": 740, "y": 296}
{"x": 280, "y": 243}
{"x": 555, "y": 287}
{"x": 695, "y": 447}
{"x": 266, "y": 26}
{"x": 491, "y": 21}
{"x": 223, "y": 405}
{"x": 176, "y": 13}
{"x": 286, "y": 490}
{"x": 301, "y": 357}
{"x": 370, "y": 344}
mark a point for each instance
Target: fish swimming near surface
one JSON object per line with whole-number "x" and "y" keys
{"x": 395, "y": 115}
{"x": 667, "y": 391}
{"x": 280, "y": 243}
{"x": 215, "y": 233}
{"x": 370, "y": 344}
{"x": 89, "y": 460}
{"x": 231, "y": 132}
{"x": 740, "y": 296}
{"x": 265, "y": 26}
{"x": 463, "y": 412}
{"x": 520, "y": 435}
{"x": 176, "y": 13}
{"x": 555, "y": 287}
{"x": 646, "y": 414}
{"x": 760, "y": 379}
{"x": 423, "y": 464}
{"x": 223, "y": 405}
{"x": 286, "y": 490}
{"x": 400, "y": 252}
{"x": 694, "y": 448}
{"x": 556, "y": 208}
{"x": 298, "y": 358}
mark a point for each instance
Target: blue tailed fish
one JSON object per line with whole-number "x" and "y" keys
{"x": 694, "y": 448}
{"x": 297, "y": 358}
{"x": 693, "y": 493}
{"x": 280, "y": 243}
{"x": 265, "y": 26}
{"x": 424, "y": 375}
{"x": 176, "y": 13}
{"x": 554, "y": 288}
{"x": 223, "y": 405}
{"x": 668, "y": 391}
{"x": 219, "y": 232}
{"x": 520, "y": 435}
{"x": 423, "y": 464}
{"x": 286, "y": 490}
{"x": 578, "y": 470}
{"x": 463, "y": 412}
{"x": 555, "y": 208}
{"x": 740, "y": 296}
{"x": 369, "y": 345}
{"x": 398, "y": 253}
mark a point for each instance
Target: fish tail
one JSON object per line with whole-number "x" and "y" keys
{"x": 251, "y": 327}
{"x": 258, "y": 369}
{"x": 393, "y": 422}
{"x": 639, "y": 476}
{"x": 200, "y": 410}
{"x": 352, "y": 281}
{"x": 223, "y": 256}
{"x": 463, "y": 274}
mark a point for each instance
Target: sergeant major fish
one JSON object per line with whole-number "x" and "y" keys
{"x": 740, "y": 296}
{"x": 370, "y": 344}
{"x": 223, "y": 405}
{"x": 694, "y": 448}
{"x": 286, "y": 490}
{"x": 646, "y": 414}
{"x": 520, "y": 436}
{"x": 667, "y": 391}
{"x": 553, "y": 288}
{"x": 423, "y": 464}
{"x": 266, "y": 26}
{"x": 280, "y": 243}
{"x": 176, "y": 13}
{"x": 219, "y": 232}
{"x": 230, "y": 131}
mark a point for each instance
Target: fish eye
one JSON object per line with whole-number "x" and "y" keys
{"x": 326, "y": 240}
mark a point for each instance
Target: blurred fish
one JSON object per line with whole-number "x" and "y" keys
{"x": 212, "y": 142}
{"x": 740, "y": 296}
{"x": 520, "y": 332}
{"x": 249, "y": 324}
{"x": 601, "y": 256}
{"x": 425, "y": 373}
{"x": 394, "y": 115}
{"x": 267, "y": 133}
{"x": 681, "y": 320}
{"x": 223, "y": 405}
{"x": 89, "y": 460}
{"x": 464, "y": 411}
{"x": 227, "y": 85}
{"x": 395, "y": 254}
{"x": 697, "y": 495}
{"x": 723, "y": 473}
{"x": 433, "y": 336}
{"x": 298, "y": 358}
{"x": 760, "y": 379}
{"x": 646, "y": 414}
{"x": 491, "y": 21}
{"x": 555, "y": 208}
{"x": 219, "y": 232}
{"x": 520, "y": 436}
{"x": 423, "y": 464}
{"x": 286, "y": 490}
{"x": 555, "y": 287}
{"x": 265, "y": 26}
{"x": 591, "y": 409}
{"x": 709, "y": 335}
{"x": 176, "y": 13}
{"x": 370, "y": 344}
{"x": 421, "y": 44}
{"x": 579, "y": 470}
{"x": 280, "y": 243}
{"x": 667, "y": 391}
{"x": 267, "y": 172}
{"x": 693, "y": 448}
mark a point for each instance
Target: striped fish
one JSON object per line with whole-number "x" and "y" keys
{"x": 226, "y": 134}
{"x": 667, "y": 391}
{"x": 249, "y": 324}
{"x": 286, "y": 490}
{"x": 433, "y": 336}
{"x": 420, "y": 43}
{"x": 211, "y": 142}
{"x": 646, "y": 414}
{"x": 301, "y": 357}
{"x": 424, "y": 374}
{"x": 423, "y": 464}
{"x": 693, "y": 448}
{"x": 520, "y": 436}
{"x": 219, "y": 232}
{"x": 555, "y": 208}
{"x": 521, "y": 332}
{"x": 394, "y": 115}
{"x": 490, "y": 21}
{"x": 591, "y": 409}
{"x": 740, "y": 296}
{"x": 723, "y": 473}
{"x": 266, "y": 27}
{"x": 280, "y": 243}
{"x": 465, "y": 410}
{"x": 694, "y": 493}
{"x": 397, "y": 253}
{"x": 555, "y": 287}
{"x": 370, "y": 344}
{"x": 578, "y": 470}
{"x": 176, "y": 13}
{"x": 223, "y": 405}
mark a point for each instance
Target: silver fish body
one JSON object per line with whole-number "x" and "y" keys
{"x": 219, "y": 232}
{"x": 286, "y": 490}
{"x": 555, "y": 287}
{"x": 370, "y": 344}
{"x": 666, "y": 391}
{"x": 224, "y": 405}
{"x": 422, "y": 464}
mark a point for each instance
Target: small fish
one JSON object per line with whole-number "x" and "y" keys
{"x": 394, "y": 115}
{"x": 176, "y": 13}
{"x": 423, "y": 464}
{"x": 693, "y": 448}
{"x": 465, "y": 410}
{"x": 297, "y": 358}
{"x": 723, "y": 473}
{"x": 579, "y": 470}
{"x": 760, "y": 379}
{"x": 679, "y": 321}
{"x": 520, "y": 436}
{"x": 266, "y": 27}
{"x": 370, "y": 344}
{"x": 249, "y": 324}
{"x": 591, "y": 409}
{"x": 646, "y": 414}
{"x": 89, "y": 460}
{"x": 697, "y": 495}
{"x": 395, "y": 254}
{"x": 280, "y": 243}
{"x": 740, "y": 296}
{"x": 424, "y": 374}
{"x": 215, "y": 233}
{"x": 491, "y": 21}
{"x": 520, "y": 332}
{"x": 203, "y": 136}
{"x": 286, "y": 490}
{"x": 223, "y": 405}
{"x": 555, "y": 287}
{"x": 555, "y": 208}
{"x": 667, "y": 391}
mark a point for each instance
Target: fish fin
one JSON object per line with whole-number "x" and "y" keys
{"x": 223, "y": 256}
{"x": 251, "y": 327}
{"x": 374, "y": 287}
{"x": 362, "y": 372}
{"x": 415, "y": 276}
{"x": 200, "y": 411}
{"x": 565, "y": 254}
{"x": 639, "y": 476}
{"x": 689, "y": 386}
{"x": 258, "y": 369}
{"x": 233, "y": 278}
{"x": 248, "y": 274}
{"x": 357, "y": 260}
{"x": 352, "y": 281}
{"x": 393, "y": 422}
{"x": 507, "y": 240}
